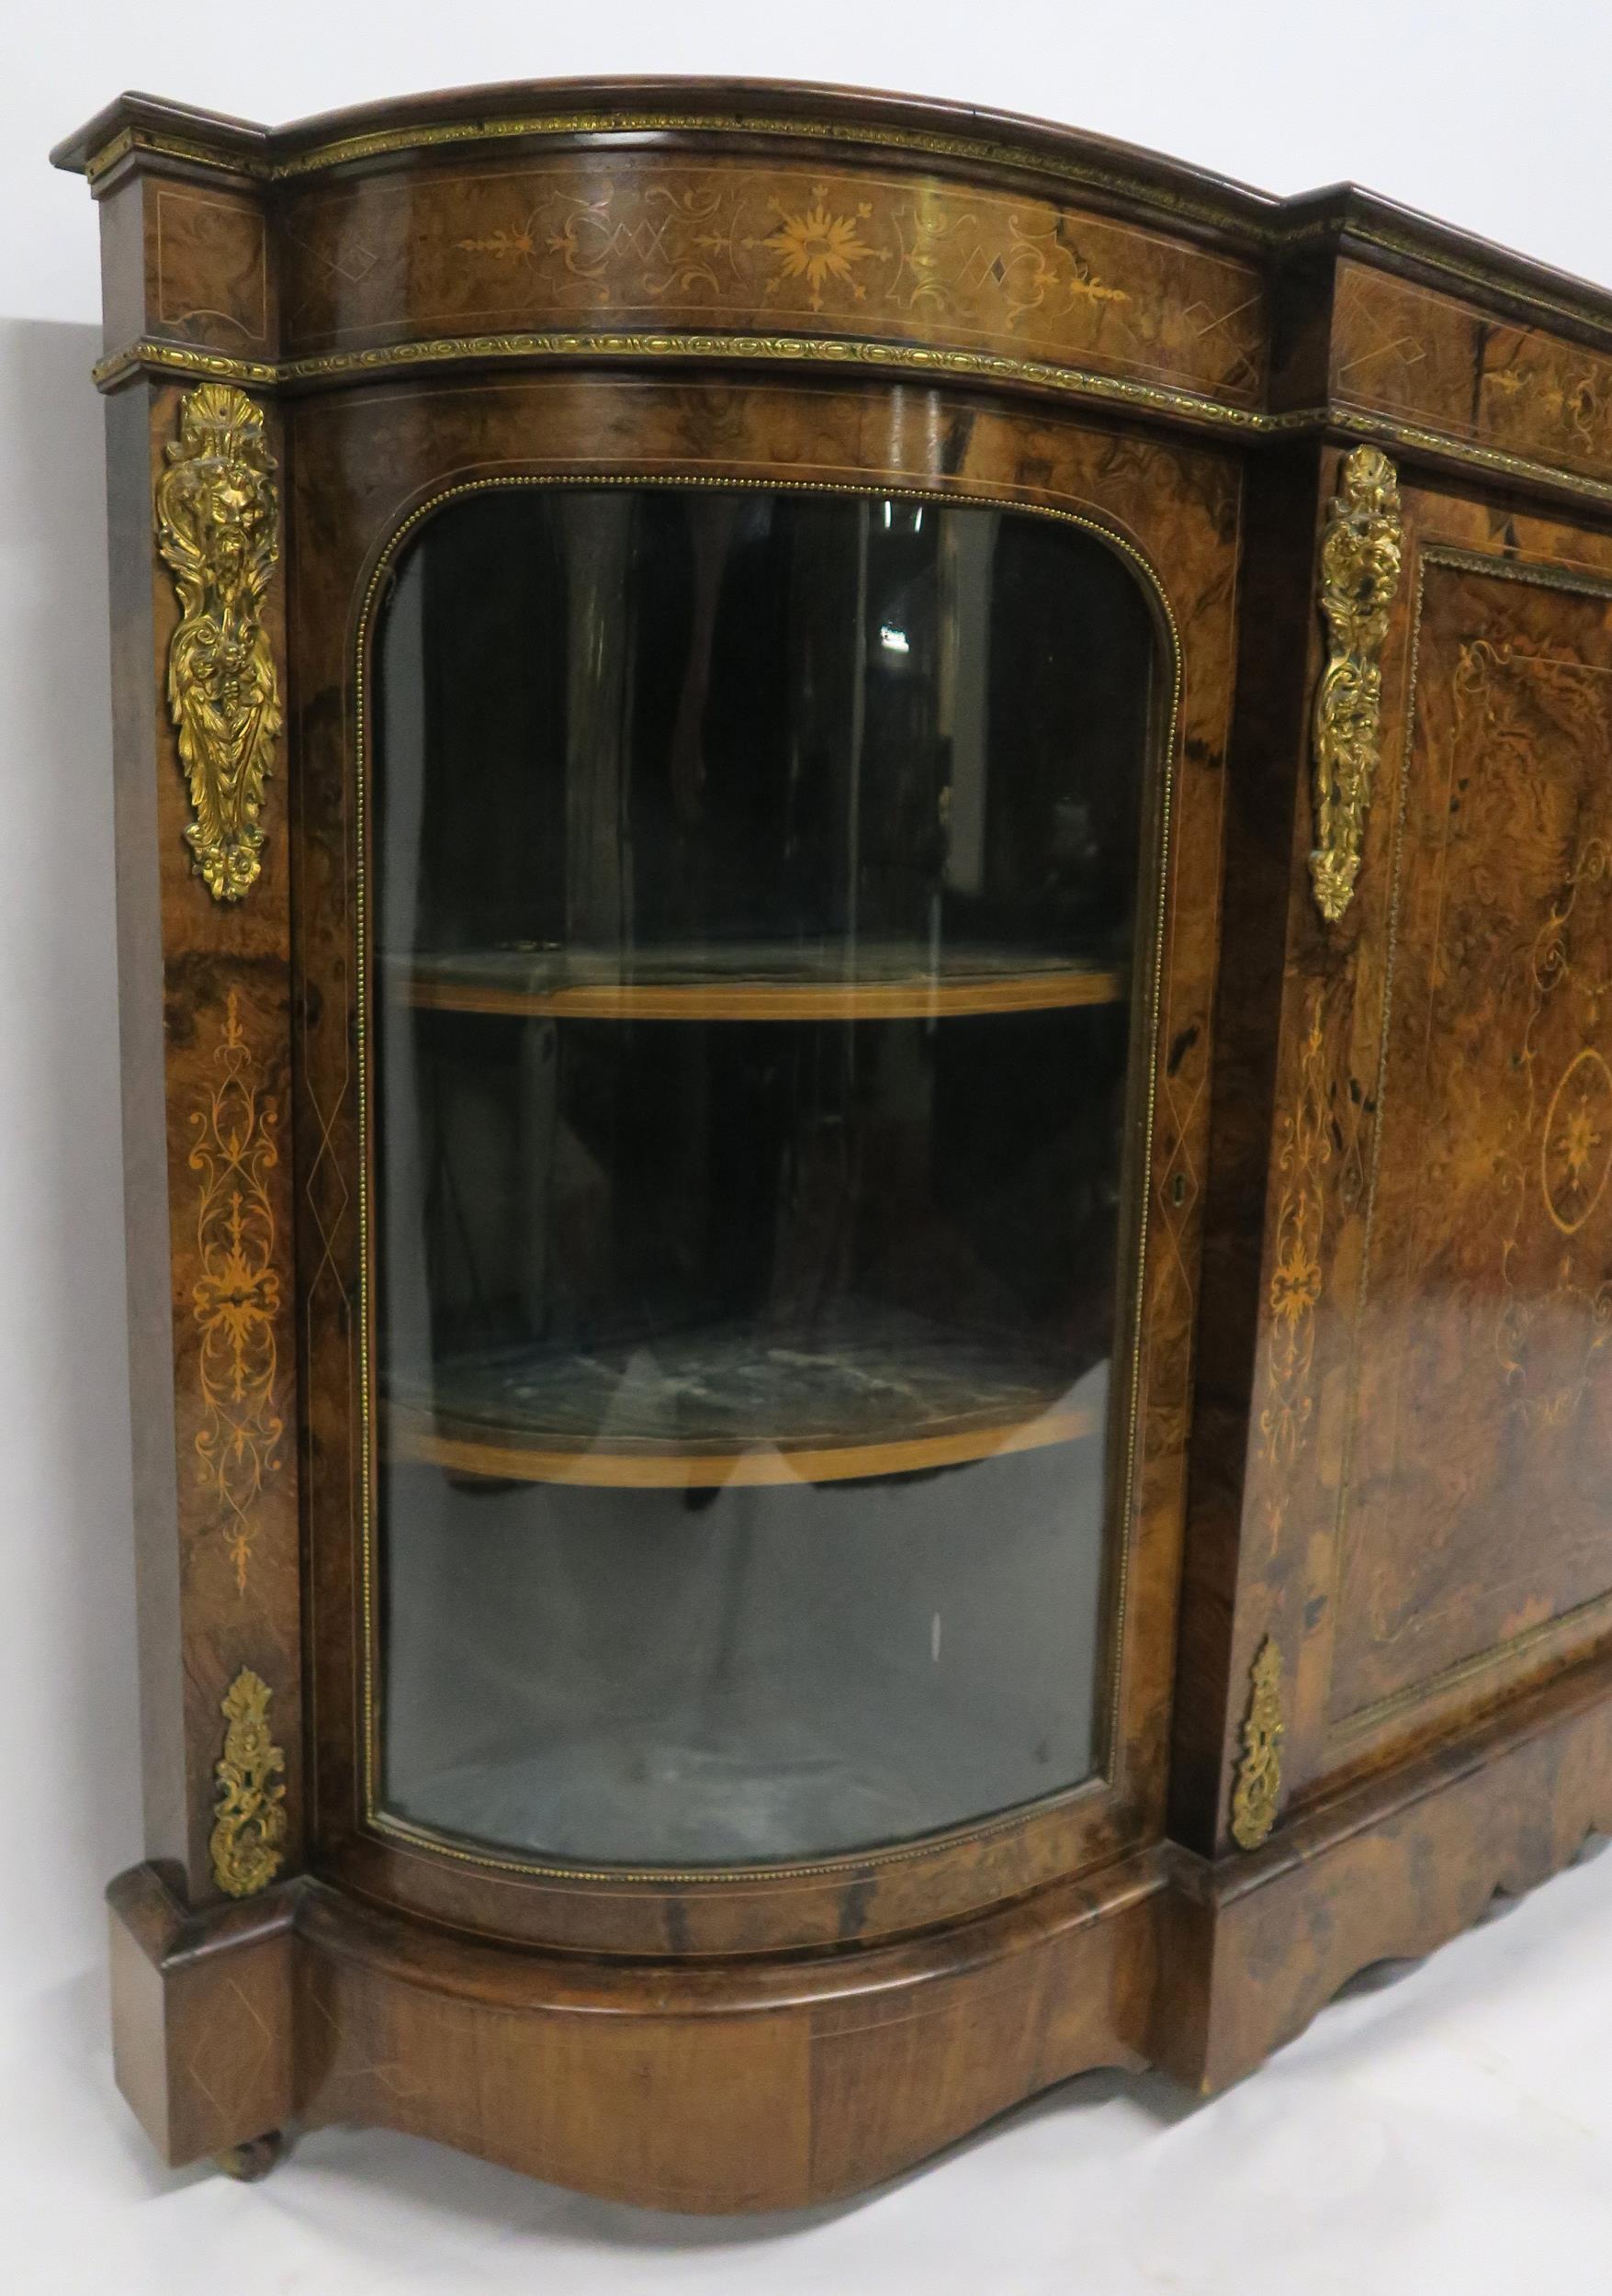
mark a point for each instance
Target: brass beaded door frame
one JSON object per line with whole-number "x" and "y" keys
{"x": 1122, "y": 1448}
{"x": 966, "y": 1866}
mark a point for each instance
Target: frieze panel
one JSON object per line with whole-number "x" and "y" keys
{"x": 1416, "y": 356}
{"x": 895, "y": 257}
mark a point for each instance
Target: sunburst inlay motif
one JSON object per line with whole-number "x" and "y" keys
{"x": 1576, "y": 1156}
{"x": 820, "y": 246}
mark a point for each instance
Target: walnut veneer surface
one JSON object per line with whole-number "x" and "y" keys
{"x": 1359, "y": 1620}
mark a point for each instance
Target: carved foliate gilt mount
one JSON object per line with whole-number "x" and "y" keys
{"x": 1258, "y": 1786}
{"x": 218, "y": 530}
{"x": 1360, "y": 558}
{"x": 248, "y": 1842}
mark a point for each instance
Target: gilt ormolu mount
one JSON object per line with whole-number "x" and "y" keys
{"x": 873, "y": 1134}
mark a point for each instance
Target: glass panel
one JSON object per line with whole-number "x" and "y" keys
{"x": 754, "y": 886}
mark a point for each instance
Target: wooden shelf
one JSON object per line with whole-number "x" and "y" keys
{"x": 883, "y": 1395}
{"x": 480, "y": 1454}
{"x": 754, "y": 981}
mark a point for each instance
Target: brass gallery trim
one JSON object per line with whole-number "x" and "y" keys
{"x": 1258, "y": 1787}
{"x": 380, "y": 1823}
{"x": 217, "y": 531}
{"x": 1361, "y": 554}
{"x": 248, "y": 1842}
{"x": 345, "y": 367}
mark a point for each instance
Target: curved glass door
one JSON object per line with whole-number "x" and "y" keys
{"x": 754, "y": 883}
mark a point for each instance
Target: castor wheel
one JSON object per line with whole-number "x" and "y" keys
{"x": 246, "y": 2163}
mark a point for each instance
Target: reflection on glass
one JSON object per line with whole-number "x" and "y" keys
{"x": 754, "y": 883}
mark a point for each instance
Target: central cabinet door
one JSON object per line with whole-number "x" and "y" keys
{"x": 753, "y": 930}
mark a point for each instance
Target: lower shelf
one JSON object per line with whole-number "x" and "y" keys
{"x": 860, "y": 980}
{"x": 879, "y": 1394}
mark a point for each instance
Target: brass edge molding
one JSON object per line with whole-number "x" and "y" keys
{"x": 217, "y": 531}
{"x": 247, "y": 1846}
{"x": 1362, "y": 552}
{"x": 797, "y": 350}
{"x": 150, "y": 354}
{"x": 383, "y": 1823}
{"x": 183, "y": 358}
{"x": 1258, "y": 1788}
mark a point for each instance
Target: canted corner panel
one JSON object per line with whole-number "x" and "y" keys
{"x": 219, "y": 890}
{"x": 1471, "y": 1517}
{"x": 208, "y": 261}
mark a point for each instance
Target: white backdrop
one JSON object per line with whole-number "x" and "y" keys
{"x": 1449, "y": 2132}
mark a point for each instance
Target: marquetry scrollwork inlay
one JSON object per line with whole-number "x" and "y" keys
{"x": 1257, "y": 1793}
{"x": 1575, "y": 1146}
{"x": 217, "y": 524}
{"x": 248, "y": 1842}
{"x": 1555, "y": 1307}
{"x": 1293, "y": 1289}
{"x": 236, "y": 1296}
{"x": 909, "y": 262}
{"x": 1360, "y": 558}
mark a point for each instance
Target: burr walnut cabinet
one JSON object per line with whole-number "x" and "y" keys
{"x": 866, "y": 935}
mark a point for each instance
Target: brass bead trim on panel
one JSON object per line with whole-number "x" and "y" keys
{"x": 327, "y": 367}
{"x": 1360, "y": 558}
{"x": 1258, "y": 1786}
{"x": 248, "y": 1843}
{"x": 345, "y": 367}
{"x": 218, "y": 530}
{"x": 382, "y": 1823}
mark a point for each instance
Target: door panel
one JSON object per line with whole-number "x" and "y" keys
{"x": 366, "y": 464}
{"x": 1479, "y": 1424}
{"x": 1439, "y": 1535}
